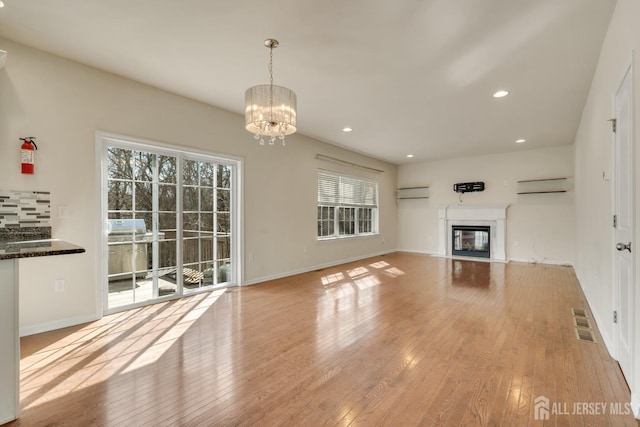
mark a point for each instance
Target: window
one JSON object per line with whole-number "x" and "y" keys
{"x": 326, "y": 221}
{"x": 365, "y": 220}
{"x": 346, "y": 221}
{"x": 347, "y": 206}
{"x": 170, "y": 223}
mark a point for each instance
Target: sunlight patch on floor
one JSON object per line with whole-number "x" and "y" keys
{"x": 367, "y": 282}
{"x": 359, "y": 271}
{"x": 109, "y": 347}
{"x": 170, "y": 335}
{"x": 394, "y": 272}
{"x": 379, "y": 264}
{"x": 332, "y": 278}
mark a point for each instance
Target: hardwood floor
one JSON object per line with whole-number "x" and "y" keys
{"x": 398, "y": 340}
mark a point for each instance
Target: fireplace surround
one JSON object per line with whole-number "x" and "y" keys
{"x": 493, "y": 217}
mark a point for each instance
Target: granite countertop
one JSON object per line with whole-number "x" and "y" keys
{"x": 37, "y": 248}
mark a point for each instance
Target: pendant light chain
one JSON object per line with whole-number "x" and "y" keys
{"x": 271, "y": 65}
{"x": 271, "y": 84}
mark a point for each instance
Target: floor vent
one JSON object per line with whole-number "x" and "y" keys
{"x": 578, "y": 312}
{"x": 582, "y": 322}
{"x": 585, "y": 335}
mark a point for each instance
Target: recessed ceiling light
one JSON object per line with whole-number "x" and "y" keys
{"x": 409, "y": 156}
{"x": 501, "y": 94}
{"x": 347, "y": 129}
{"x": 520, "y": 141}
{"x": 1, "y": 3}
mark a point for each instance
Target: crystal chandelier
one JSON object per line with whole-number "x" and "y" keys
{"x": 270, "y": 110}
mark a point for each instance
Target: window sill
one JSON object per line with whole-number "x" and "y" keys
{"x": 350, "y": 236}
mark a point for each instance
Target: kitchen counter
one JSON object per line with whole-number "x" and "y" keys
{"x": 10, "y": 254}
{"x": 36, "y": 248}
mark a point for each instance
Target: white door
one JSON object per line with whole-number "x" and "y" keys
{"x": 623, "y": 205}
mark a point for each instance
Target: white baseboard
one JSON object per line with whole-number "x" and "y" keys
{"x": 608, "y": 342}
{"x": 635, "y": 405}
{"x": 414, "y": 251}
{"x": 470, "y": 258}
{"x": 544, "y": 261}
{"x": 58, "y": 324}
{"x": 315, "y": 267}
{"x": 524, "y": 260}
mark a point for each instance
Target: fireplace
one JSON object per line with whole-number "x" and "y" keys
{"x": 491, "y": 217}
{"x": 471, "y": 240}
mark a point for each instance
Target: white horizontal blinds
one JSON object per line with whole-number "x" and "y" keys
{"x": 328, "y": 189}
{"x": 369, "y": 194}
{"x": 341, "y": 190}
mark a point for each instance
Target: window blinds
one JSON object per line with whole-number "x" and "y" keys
{"x": 341, "y": 190}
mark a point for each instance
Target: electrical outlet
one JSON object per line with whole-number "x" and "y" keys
{"x": 58, "y": 285}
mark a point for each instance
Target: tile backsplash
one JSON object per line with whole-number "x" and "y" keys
{"x": 25, "y": 215}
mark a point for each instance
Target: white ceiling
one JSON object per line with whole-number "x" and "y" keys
{"x": 409, "y": 76}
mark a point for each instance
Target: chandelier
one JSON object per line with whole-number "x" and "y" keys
{"x": 270, "y": 110}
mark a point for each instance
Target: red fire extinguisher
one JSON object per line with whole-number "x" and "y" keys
{"x": 28, "y": 154}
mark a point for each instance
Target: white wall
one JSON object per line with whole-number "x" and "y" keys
{"x": 63, "y": 103}
{"x": 594, "y": 149}
{"x": 540, "y": 227}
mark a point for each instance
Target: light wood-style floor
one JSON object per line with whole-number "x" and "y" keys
{"x": 398, "y": 340}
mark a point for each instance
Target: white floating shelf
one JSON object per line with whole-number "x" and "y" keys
{"x": 413, "y": 193}
{"x": 544, "y": 186}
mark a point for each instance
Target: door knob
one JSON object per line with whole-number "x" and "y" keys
{"x": 622, "y": 246}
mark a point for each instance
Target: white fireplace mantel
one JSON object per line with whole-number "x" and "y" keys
{"x": 493, "y": 216}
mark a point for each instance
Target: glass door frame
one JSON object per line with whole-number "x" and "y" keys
{"x": 103, "y": 141}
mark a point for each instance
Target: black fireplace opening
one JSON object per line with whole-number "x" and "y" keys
{"x": 471, "y": 240}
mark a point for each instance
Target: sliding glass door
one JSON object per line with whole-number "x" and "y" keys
{"x": 206, "y": 224}
{"x": 170, "y": 223}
